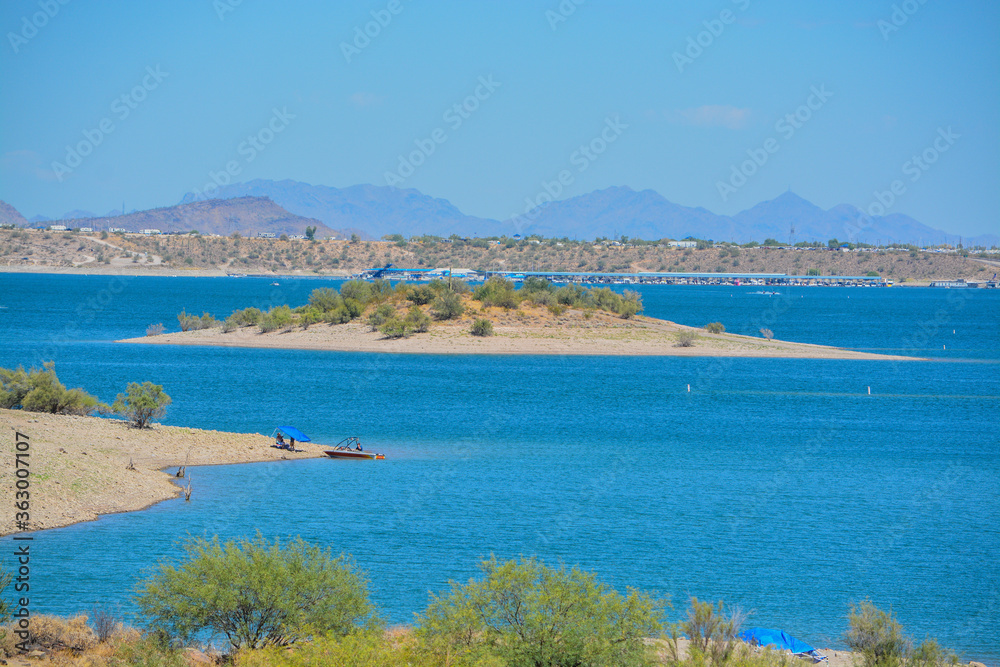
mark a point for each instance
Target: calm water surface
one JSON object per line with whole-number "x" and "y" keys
{"x": 779, "y": 485}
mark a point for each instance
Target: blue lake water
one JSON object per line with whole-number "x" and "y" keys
{"x": 779, "y": 485}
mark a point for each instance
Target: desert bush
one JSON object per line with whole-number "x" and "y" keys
{"x": 353, "y": 307}
{"x": 767, "y": 333}
{"x": 155, "y": 329}
{"x": 497, "y": 292}
{"x": 422, "y": 295}
{"x": 382, "y": 314}
{"x": 876, "y": 635}
{"x": 931, "y": 654}
{"x": 686, "y": 338}
{"x": 557, "y": 309}
{"x": 358, "y": 290}
{"x": 447, "y": 306}
{"x": 257, "y": 593}
{"x": 310, "y": 315}
{"x": 525, "y": 613}
{"x": 54, "y": 632}
{"x": 338, "y": 316}
{"x": 712, "y": 632}
{"x": 141, "y": 403}
{"x": 360, "y": 649}
{"x": 715, "y": 327}
{"x": 193, "y": 322}
{"x": 106, "y": 623}
{"x": 278, "y": 317}
{"x": 395, "y": 328}
{"x": 39, "y": 390}
{"x": 482, "y": 327}
{"x": 417, "y": 320}
{"x": 325, "y": 299}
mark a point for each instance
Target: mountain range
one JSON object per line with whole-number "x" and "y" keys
{"x": 246, "y": 215}
{"x": 373, "y": 211}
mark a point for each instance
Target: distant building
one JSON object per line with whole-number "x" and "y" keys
{"x": 117, "y": 230}
{"x": 266, "y": 235}
{"x": 151, "y": 232}
{"x": 86, "y": 229}
{"x": 296, "y": 236}
{"x": 683, "y": 244}
{"x": 58, "y": 228}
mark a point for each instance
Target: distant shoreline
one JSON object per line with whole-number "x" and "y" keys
{"x": 172, "y": 272}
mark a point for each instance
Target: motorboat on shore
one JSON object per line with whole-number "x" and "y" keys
{"x": 350, "y": 448}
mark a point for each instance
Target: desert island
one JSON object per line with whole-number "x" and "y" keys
{"x": 449, "y": 317}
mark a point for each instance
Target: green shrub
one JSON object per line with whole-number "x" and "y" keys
{"x": 528, "y": 614}
{"x": 482, "y": 327}
{"x": 876, "y": 635}
{"x": 39, "y": 390}
{"x": 497, "y": 292}
{"x": 422, "y": 295}
{"x": 382, "y": 314}
{"x": 325, "y": 299}
{"x": 141, "y": 403}
{"x": 417, "y": 320}
{"x": 353, "y": 307}
{"x": 711, "y": 631}
{"x": 256, "y": 593}
{"x": 395, "y": 328}
{"x": 310, "y": 315}
{"x": 194, "y": 323}
{"x": 359, "y": 649}
{"x": 278, "y": 317}
{"x": 447, "y": 306}
{"x": 358, "y": 290}
{"x": 686, "y": 338}
{"x": 338, "y": 316}
{"x": 715, "y": 327}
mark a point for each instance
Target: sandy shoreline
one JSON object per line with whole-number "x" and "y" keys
{"x": 79, "y": 465}
{"x": 603, "y": 335}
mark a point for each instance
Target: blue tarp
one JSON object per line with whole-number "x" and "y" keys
{"x": 777, "y": 638}
{"x": 293, "y": 432}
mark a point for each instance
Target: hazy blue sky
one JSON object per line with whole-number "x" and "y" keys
{"x": 163, "y": 95}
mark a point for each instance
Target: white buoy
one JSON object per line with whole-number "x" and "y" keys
{"x": 869, "y": 391}
{"x": 943, "y": 347}
{"x": 689, "y": 389}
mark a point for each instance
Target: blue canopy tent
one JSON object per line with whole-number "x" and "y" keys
{"x": 291, "y": 432}
{"x": 780, "y": 640}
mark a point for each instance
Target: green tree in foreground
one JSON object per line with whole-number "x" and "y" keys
{"x": 257, "y": 593}
{"x": 141, "y": 403}
{"x": 528, "y": 614}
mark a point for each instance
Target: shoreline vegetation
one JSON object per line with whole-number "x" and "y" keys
{"x": 302, "y": 607}
{"x": 449, "y": 317}
{"x": 26, "y": 250}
